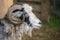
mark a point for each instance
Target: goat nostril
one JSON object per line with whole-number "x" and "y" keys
{"x": 40, "y": 23}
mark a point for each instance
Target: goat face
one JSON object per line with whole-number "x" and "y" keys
{"x": 20, "y": 12}
{"x": 16, "y": 13}
{"x": 31, "y": 19}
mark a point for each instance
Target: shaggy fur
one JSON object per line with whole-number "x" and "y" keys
{"x": 20, "y": 19}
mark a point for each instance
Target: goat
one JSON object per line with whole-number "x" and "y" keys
{"x": 20, "y": 19}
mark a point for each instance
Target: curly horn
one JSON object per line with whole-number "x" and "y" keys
{"x": 10, "y": 14}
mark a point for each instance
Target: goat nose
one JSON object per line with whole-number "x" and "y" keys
{"x": 39, "y": 23}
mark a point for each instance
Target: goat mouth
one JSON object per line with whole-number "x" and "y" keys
{"x": 38, "y": 25}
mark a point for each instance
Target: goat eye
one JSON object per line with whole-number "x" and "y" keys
{"x": 27, "y": 19}
{"x": 22, "y": 9}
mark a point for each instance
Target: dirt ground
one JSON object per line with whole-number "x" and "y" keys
{"x": 44, "y": 33}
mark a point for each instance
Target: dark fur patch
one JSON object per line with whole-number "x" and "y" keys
{"x": 27, "y": 21}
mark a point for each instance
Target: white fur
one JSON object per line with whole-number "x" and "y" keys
{"x": 33, "y": 19}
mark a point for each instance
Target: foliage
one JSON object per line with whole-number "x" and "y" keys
{"x": 54, "y": 22}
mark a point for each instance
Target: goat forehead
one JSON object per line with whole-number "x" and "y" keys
{"x": 27, "y": 7}
{"x": 33, "y": 16}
